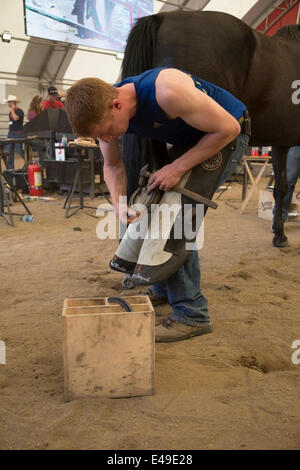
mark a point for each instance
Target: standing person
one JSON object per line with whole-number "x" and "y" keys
{"x": 53, "y": 100}
{"x": 292, "y": 175}
{"x": 36, "y": 107}
{"x": 171, "y": 106}
{"x": 16, "y": 118}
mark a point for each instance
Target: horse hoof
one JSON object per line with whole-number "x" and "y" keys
{"x": 127, "y": 282}
{"x": 280, "y": 243}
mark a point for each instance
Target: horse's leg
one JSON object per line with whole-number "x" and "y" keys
{"x": 137, "y": 152}
{"x": 279, "y": 157}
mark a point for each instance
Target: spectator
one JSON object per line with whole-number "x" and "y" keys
{"x": 16, "y": 118}
{"x": 292, "y": 175}
{"x": 35, "y": 107}
{"x": 53, "y": 100}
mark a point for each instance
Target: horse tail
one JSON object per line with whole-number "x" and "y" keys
{"x": 291, "y": 31}
{"x": 139, "y": 56}
{"x": 140, "y": 50}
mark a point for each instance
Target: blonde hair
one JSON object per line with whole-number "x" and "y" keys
{"x": 35, "y": 104}
{"x": 87, "y": 104}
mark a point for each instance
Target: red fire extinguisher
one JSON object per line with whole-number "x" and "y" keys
{"x": 35, "y": 179}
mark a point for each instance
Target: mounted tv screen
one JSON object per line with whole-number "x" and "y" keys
{"x": 103, "y": 24}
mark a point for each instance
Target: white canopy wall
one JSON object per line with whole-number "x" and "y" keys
{"x": 28, "y": 65}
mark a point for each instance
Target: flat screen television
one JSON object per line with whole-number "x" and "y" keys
{"x": 103, "y": 24}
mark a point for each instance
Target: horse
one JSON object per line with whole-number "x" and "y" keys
{"x": 259, "y": 70}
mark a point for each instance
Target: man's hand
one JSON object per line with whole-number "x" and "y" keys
{"x": 126, "y": 214}
{"x": 165, "y": 178}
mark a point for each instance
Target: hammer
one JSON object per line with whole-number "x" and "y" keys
{"x": 144, "y": 173}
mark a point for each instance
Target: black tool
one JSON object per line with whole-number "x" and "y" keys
{"x": 121, "y": 302}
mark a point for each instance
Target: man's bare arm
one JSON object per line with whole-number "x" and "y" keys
{"x": 115, "y": 178}
{"x": 177, "y": 96}
{"x": 114, "y": 170}
{"x": 198, "y": 110}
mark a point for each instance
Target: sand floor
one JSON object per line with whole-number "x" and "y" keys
{"x": 236, "y": 388}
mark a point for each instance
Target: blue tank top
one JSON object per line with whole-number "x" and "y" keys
{"x": 150, "y": 121}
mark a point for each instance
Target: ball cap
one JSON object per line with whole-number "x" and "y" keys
{"x": 52, "y": 90}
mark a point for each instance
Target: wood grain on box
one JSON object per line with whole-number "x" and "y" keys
{"x": 107, "y": 351}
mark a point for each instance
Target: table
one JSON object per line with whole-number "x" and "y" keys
{"x": 4, "y": 200}
{"x": 247, "y": 160}
{"x": 80, "y": 154}
{"x": 27, "y": 141}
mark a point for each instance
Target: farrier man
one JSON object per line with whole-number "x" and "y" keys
{"x": 169, "y": 105}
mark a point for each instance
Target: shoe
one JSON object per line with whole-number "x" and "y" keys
{"x": 155, "y": 299}
{"x": 162, "y": 314}
{"x": 170, "y": 330}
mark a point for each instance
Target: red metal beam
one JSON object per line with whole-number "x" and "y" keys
{"x": 285, "y": 13}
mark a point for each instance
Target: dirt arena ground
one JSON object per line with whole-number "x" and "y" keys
{"x": 236, "y": 388}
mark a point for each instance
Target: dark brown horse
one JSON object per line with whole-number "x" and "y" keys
{"x": 261, "y": 71}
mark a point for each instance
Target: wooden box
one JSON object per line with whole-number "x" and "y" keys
{"x": 108, "y": 352}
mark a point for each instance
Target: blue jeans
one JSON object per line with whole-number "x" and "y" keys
{"x": 11, "y": 148}
{"x": 292, "y": 174}
{"x": 184, "y": 294}
{"x": 183, "y": 290}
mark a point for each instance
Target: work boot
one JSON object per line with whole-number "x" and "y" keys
{"x": 155, "y": 299}
{"x": 170, "y": 330}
